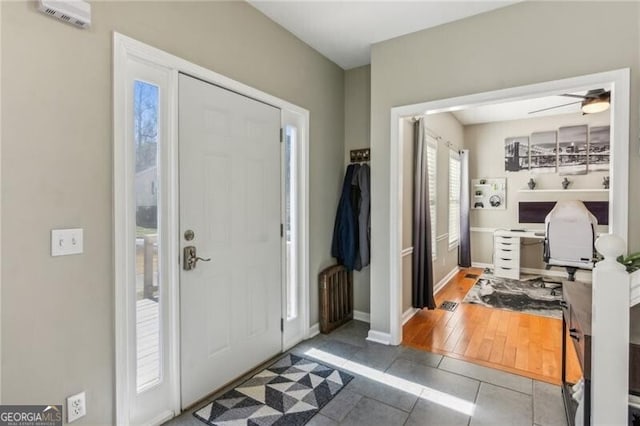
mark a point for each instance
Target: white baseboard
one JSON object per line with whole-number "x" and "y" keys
{"x": 362, "y": 316}
{"x": 162, "y": 418}
{"x": 580, "y": 274}
{"x": 408, "y": 314}
{"x": 481, "y": 265}
{"x": 635, "y": 288}
{"x": 379, "y": 337}
{"x": 314, "y": 330}
{"x": 445, "y": 280}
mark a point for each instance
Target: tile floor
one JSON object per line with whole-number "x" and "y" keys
{"x": 404, "y": 386}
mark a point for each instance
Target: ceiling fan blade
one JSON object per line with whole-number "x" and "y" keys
{"x": 598, "y": 93}
{"x": 554, "y": 107}
{"x": 575, "y": 96}
{"x": 591, "y": 94}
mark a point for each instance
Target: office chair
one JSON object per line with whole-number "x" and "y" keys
{"x": 570, "y": 237}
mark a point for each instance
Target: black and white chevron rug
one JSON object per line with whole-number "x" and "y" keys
{"x": 289, "y": 392}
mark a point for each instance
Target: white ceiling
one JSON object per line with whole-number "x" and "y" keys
{"x": 344, "y": 31}
{"x": 523, "y": 109}
{"x": 517, "y": 110}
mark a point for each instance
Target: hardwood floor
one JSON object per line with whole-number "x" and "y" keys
{"x": 523, "y": 344}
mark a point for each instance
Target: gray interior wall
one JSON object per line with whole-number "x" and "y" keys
{"x": 58, "y": 313}
{"x": 495, "y": 50}
{"x": 357, "y": 125}
{"x": 486, "y": 160}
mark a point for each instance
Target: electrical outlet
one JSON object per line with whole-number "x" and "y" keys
{"x": 76, "y": 407}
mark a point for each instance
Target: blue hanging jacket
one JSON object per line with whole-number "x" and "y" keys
{"x": 344, "y": 245}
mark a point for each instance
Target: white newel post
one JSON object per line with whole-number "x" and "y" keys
{"x": 610, "y": 336}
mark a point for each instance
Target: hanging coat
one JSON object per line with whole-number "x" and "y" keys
{"x": 344, "y": 244}
{"x": 364, "y": 216}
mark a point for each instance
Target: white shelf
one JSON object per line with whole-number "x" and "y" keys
{"x": 563, "y": 190}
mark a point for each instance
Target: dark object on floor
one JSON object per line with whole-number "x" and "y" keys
{"x": 472, "y": 276}
{"x": 554, "y": 285}
{"x": 448, "y": 305}
{"x": 634, "y": 416}
{"x": 530, "y": 295}
{"x": 289, "y": 392}
{"x": 336, "y": 297}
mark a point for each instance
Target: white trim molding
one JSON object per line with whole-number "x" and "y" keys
{"x": 126, "y": 49}
{"x": 314, "y": 330}
{"x": 480, "y": 229}
{"x": 635, "y": 288}
{"x": 618, "y": 81}
{"x": 406, "y": 252}
{"x": 481, "y": 265}
{"x": 442, "y": 237}
{"x": 408, "y": 314}
{"x": 581, "y": 275}
{"x": 440, "y": 284}
{"x": 0, "y": 214}
{"x": 361, "y": 316}
{"x": 379, "y": 337}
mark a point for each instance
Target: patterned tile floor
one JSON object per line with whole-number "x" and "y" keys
{"x": 404, "y": 386}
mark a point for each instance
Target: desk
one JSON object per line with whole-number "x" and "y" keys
{"x": 506, "y": 251}
{"x": 576, "y": 322}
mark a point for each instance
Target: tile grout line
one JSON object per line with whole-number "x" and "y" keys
{"x": 493, "y": 384}
{"x": 440, "y": 362}
{"x": 475, "y": 403}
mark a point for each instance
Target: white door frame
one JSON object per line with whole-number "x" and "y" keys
{"x": 0, "y": 209}
{"x": 618, "y": 80}
{"x": 126, "y": 49}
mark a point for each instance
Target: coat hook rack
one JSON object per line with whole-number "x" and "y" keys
{"x": 360, "y": 155}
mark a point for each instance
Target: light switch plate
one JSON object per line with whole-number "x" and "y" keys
{"x": 66, "y": 241}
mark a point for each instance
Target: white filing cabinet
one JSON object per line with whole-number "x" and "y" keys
{"x": 506, "y": 251}
{"x": 506, "y": 255}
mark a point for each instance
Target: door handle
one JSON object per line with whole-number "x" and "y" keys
{"x": 190, "y": 258}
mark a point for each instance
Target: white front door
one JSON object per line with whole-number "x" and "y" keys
{"x": 230, "y": 197}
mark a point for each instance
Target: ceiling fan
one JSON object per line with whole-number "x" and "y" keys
{"x": 596, "y": 100}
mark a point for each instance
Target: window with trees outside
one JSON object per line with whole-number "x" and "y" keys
{"x": 148, "y": 297}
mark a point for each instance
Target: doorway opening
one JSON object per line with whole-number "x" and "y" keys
{"x": 151, "y": 256}
{"x": 616, "y": 81}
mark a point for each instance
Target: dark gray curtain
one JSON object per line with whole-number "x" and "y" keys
{"x": 464, "y": 247}
{"x": 422, "y": 287}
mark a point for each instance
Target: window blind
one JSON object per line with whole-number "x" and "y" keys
{"x": 432, "y": 165}
{"x": 454, "y": 198}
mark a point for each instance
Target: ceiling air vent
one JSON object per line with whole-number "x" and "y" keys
{"x": 74, "y": 12}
